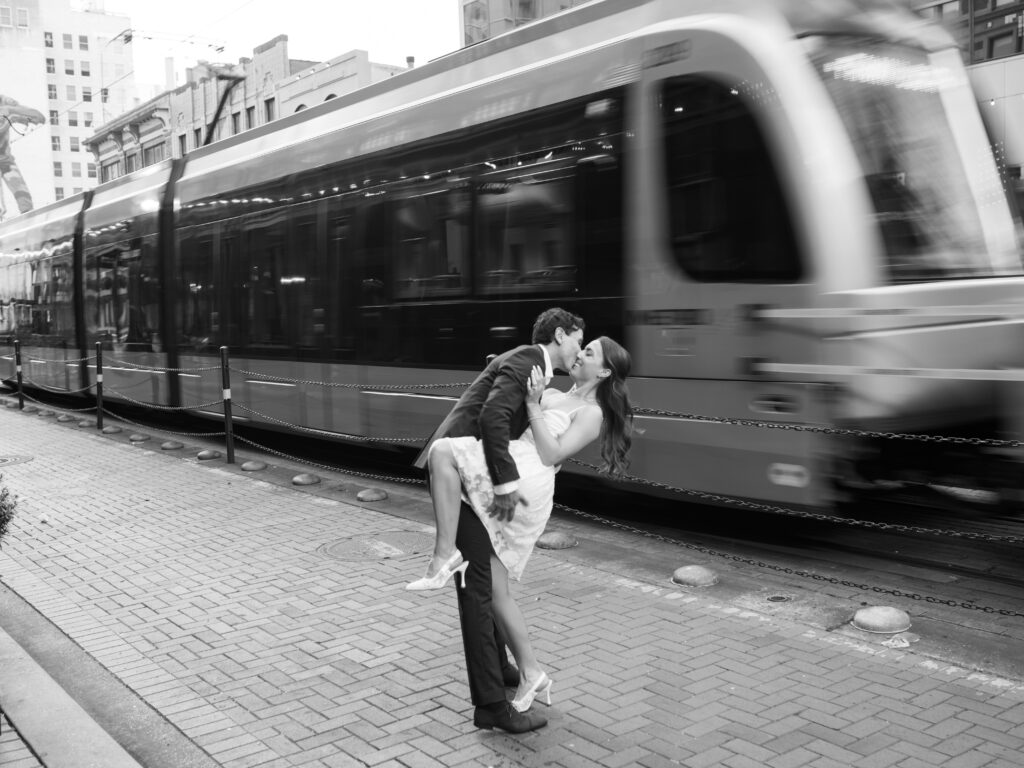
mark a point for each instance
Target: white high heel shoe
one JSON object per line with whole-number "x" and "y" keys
{"x": 454, "y": 565}
{"x": 541, "y": 685}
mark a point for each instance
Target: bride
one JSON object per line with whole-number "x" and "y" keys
{"x": 561, "y": 424}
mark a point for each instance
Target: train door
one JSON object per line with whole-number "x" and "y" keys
{"x": 714, "y": 235}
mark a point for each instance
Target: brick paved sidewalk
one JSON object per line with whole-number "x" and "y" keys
{"x": 207, "y": 593}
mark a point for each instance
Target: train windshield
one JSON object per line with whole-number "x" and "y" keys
{"x": 929, "y": 212}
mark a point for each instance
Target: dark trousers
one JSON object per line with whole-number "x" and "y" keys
{"x": 483, "y": 640}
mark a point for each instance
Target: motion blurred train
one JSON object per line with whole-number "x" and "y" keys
{"x": 723, "y": 185}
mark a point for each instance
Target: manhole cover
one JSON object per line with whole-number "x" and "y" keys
{"x": 4, "y": 460}
{"x": 379, "y": 546}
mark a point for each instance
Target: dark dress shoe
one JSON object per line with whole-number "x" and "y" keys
{"x": 507, "y": 719}
{"x": 510, "y": 676}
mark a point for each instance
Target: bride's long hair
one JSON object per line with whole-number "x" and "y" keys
{"x": 613, "y": 396}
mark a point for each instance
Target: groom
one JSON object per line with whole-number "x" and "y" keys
{"x": 493, "y": 409}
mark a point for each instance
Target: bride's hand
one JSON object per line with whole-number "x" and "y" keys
{"x": 535, "y": 386}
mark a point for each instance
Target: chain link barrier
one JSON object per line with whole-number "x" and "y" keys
{"x": 321, "y": 432}
{"x": 157, "y": 369}
{"x": 148, "y": 427}
{"x": 58, "y": 390}
{"x": 155, "y": 406}
{"x": 830, "y": 430}
{"x": 339, "y": 385}
{"x": 328, "y": 468}
{"x": 56, "y": 408}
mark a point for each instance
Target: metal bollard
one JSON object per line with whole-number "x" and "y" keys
{"x": 17, "y": 370}
{"x": 99, "y": 385}
{"x": 229, "y": 437}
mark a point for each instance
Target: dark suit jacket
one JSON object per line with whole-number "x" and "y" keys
{"x": 493, "y": 409}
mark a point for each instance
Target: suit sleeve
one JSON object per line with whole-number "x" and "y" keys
{"x": 507, "y": 396}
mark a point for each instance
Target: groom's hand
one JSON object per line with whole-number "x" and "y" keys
{"x": 504, "y": 506}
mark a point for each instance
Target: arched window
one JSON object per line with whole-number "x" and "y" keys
{"x": 331, "y": 96}
{"x": 300, "y": 107}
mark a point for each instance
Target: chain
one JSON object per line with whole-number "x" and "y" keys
{"x": 830, "y": 430}
{"x": 759, "y": 507}
{"x": 63, "y": 410}
{"x": 56, "y": 390}
{"x": 149, "y": 427}
{"x": 63, "y": 361}
{"x": 114, "y": 360}
{"x": 132, "y": 400}
{"x": 387, "y": 387}
{"x": 327, "y": 468}
{"x": 321, "y": 432}
{"x": 786, "y": 570}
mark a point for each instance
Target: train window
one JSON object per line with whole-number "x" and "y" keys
{"x": 431, "y": 237}
{"x": 728, "y": 218}
{"x": 266, "y": 287}
{"x": 197, "y": 306}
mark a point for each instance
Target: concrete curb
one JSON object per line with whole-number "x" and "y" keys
{"x": 58, "y": 730}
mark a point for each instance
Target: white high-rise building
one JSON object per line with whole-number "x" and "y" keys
{"x": 63, "y": 73}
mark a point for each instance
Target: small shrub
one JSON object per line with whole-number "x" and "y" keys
{"x": 8, "y": 501}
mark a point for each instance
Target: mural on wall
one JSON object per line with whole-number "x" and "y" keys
{"x": 17, "y": 118}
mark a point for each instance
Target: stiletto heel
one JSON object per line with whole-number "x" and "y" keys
{"x": 454, "y": 564}
{"x": 461, "y": 570}
{"x": 541, "y": 685}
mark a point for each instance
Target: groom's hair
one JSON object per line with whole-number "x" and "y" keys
{"x": 552, "y": 319}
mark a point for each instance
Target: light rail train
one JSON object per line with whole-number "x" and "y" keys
{"x": 672, "y": 170}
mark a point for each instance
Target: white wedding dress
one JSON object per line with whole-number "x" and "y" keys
{"x": 513, "y": 540}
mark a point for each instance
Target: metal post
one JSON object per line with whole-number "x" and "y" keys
{"x": 17, "y": 370}
{"x": 229, "y": 437}
{"x": 99, "y": 385}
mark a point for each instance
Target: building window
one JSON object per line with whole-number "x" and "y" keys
{"x": 54, "y": 117}
{"x": 77, "y": 190}
{"x": 72, "y": 117}
{"x": 104, "y": 94}
{"x": 86, "y": 93}
{"x": 76, "y": 170}
{"x": 23, "y": 18}
{"x": 183, "y": 144}
{"x": 58, "y": 192}
{"x": 131, "y": 163}
{"x": 5, "y": 16}
{"x": 83, "y": 43}
{"x": 87, "y": 119}
{"x": 68, "y": 42}
{"x": 55, "y": 143}
{"x": 48, "y": 39}
{"x": 153, "y": 154}
{"x": 51, "y": 91}
{"x": 58, "y": 169}
{"x": 250, "y": 117}
{"x": 268, "y": 109}
{"x": 86, "y": 69}
{"x": 69, "y": 67}
{"x": 74, "y": 144}
{"x": 198, "y": 132}
{"x": 51, "y": 67}
{"x": 70, "y": 92}
{"x": 236, "y": 122}
{"x": 110, "y": 170}
{"x": 90, "y": 170}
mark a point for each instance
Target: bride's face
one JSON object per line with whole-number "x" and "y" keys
{"x": 589, "y": 364}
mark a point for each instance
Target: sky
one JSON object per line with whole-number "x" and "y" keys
{"x": 317, "y": 30}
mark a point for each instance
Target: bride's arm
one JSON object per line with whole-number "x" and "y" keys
{"x": 583, "y": 430}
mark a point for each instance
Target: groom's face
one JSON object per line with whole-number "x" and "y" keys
{"x": 570, "y": 348}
